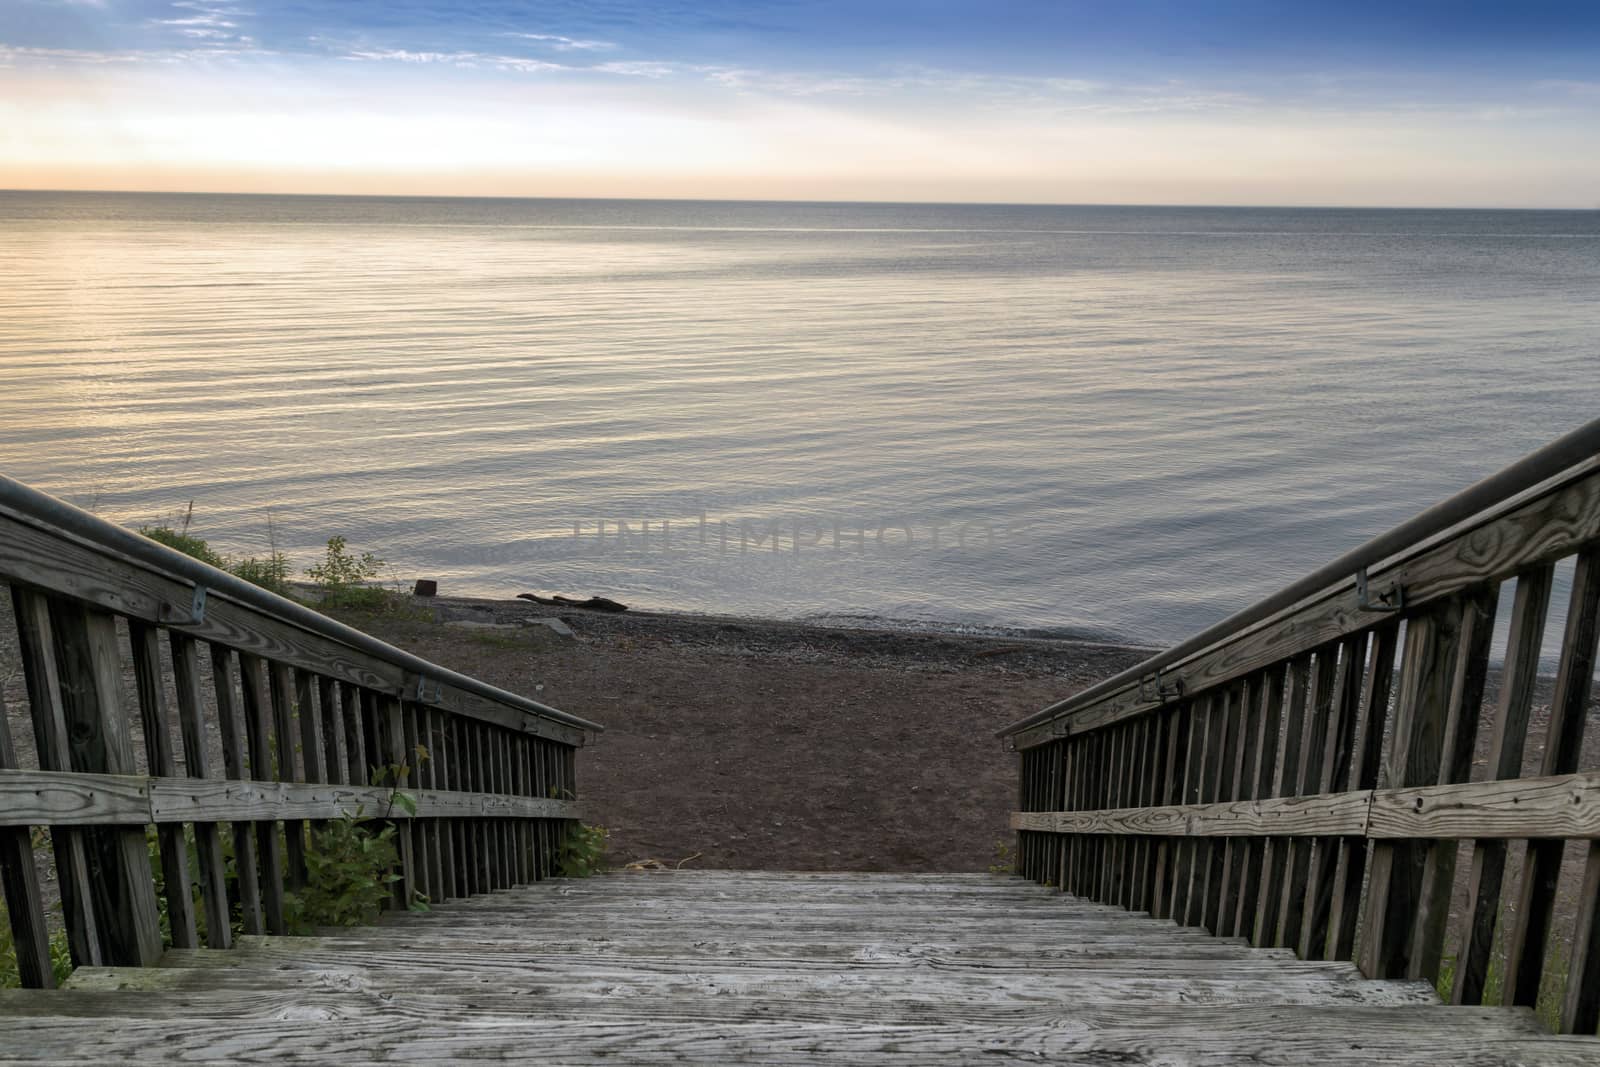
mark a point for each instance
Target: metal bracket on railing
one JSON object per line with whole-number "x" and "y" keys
{"x": 424, "y": 695}
{"x": 1150, "y": 688}
{"x": 197, "y": 610}
{"x": 1392, "y": 598}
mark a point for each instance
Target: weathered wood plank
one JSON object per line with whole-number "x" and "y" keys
{"x": 197, "y": 763}
{"x": 144, "y": 643}
{"x": 36, "y": 643}
{"x": 1541, "y": 530}
{"x": 1529, "y": 924}
{"x": 231, "y": 727}
{"x": 43, "y": 558}
{"x": 1336, "y": 814}
{"x": 20, "y": 881}
{"x": 89, "y": 668}
{"x": 55, "y": 798}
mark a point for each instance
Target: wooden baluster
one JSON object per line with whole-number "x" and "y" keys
{"x": 1133, "y": 877}
{"x": 1169, "y": 787}
{"x": 1243, "y": 775}
{"x": 1460, "y": 736}
{"x": 233, "y": 763}
{"x": 1314, "y": 752}
{"x": 335, "y": 757}
{"x": 1082, "y": 799}
{"x": 1210, "y": 776}
{"x": 355, "y": 735}
{"x": 1115, "y": 740}
{"x": 1253, "y": 891}
{"x": 20, "y": 880}
{"x": 394, "y": 752}
{"x": 415, "y": 748}
{"x": 313, "y": 751}
{"x": 1529, "y": 925}
{"x": 1427, "y": 670}
{"x": 541, "y": 836}
{"x": 1350, "y": 871}
{"x": 89, "y": 666}
{"x": 148, "y": 681}
{"x": 1580, "y": 1007}
{"x": 1275, "y": 861}
{"x": 1183, "y": 847}
{"x": 1223, "y": 766}
{"x": 36, "y": 643}
{"x": 1339, "y": 753}
{"x": 197, "y": 764}
{"x": 260, "y": 730}
{"x": 444, "y": 767}
{"x": 497, "y": 758}
{"x": 282, "y": 691}
{"x": 1058, "y": 781}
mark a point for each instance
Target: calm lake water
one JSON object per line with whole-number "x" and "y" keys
{"x": 1123, "y": 422}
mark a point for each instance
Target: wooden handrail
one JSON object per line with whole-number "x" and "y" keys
{"x": 1305, "y": 778}
{"x": 284, "y": 719}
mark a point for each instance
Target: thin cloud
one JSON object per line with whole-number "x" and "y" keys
{"x": 454, "y": 59}
{"x": 565, "y": 44}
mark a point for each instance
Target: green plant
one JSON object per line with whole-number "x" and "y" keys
{"x": 11, "y": 974}
{"x": 344, "y": 578}
{"x": 349, "y": 875}
{"x": 181, "y": 540}
{"x": 582, "y": 851}
{"x": 270, "y": 571}
{"x": 1005, "y": 860}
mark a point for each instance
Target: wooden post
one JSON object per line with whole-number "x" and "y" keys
{"x": 90, "y": 669}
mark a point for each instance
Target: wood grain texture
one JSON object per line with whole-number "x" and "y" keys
{"x": 19, "y": 880}
{"x": 770, "y": 968}
{"x": 1541, "y": 530}
{"x": 1529, "y": 926}
{"x": 197, "y": 762}
{"x": 55, "y": 798}
{"x": 42, "y": 558}
{"x": 1334, "y": 814}
{"x": 100, "y": 738}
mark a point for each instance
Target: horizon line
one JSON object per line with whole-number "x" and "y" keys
{"x": 770, "y": 200}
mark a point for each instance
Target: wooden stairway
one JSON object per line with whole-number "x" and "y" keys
{"x": 744, "y": 967}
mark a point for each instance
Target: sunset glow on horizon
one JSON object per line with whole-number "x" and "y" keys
{"x": 1236, "y": 103}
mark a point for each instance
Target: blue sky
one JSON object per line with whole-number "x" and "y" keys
{"x": 1245, "y": 102}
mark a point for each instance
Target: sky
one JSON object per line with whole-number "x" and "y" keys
{"x": 1397, "y": 103}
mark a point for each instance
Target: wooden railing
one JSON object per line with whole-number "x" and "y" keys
{"x": 284, "y": 718}
{"x": 1306, "y": 775}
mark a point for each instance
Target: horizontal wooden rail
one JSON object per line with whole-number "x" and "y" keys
{"x": 1565, "y": 805}
{"x": 1303, "y": 776}
{"x": 53, "y": 798}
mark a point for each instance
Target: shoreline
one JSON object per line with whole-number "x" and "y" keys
{"x": 739, "y": 743}
{"x": 929, "y": 648}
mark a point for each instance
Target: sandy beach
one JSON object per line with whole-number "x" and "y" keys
{"x": 742, "y": 743}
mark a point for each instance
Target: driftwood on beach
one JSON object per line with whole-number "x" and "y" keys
{"x": 594, "y": 603}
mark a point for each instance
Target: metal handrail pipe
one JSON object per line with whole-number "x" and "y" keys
{"x": 28, "y": 503}
{"x": 1548, "y": 462}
